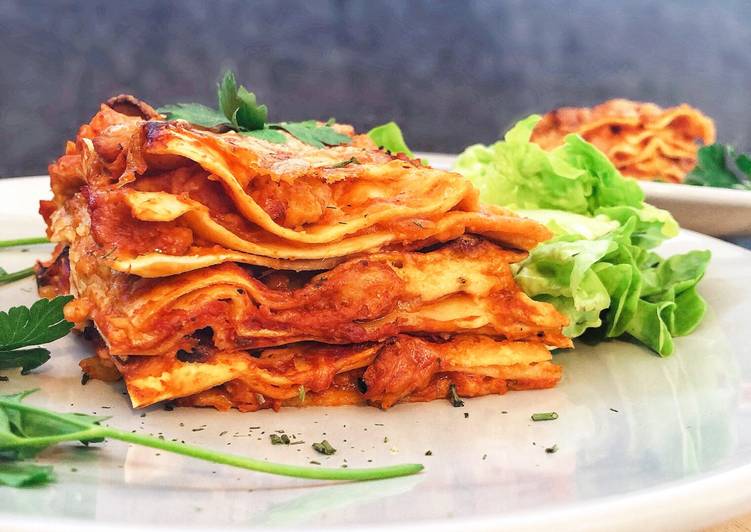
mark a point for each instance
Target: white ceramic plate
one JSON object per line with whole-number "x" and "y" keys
{"x": 712, "y": 211}
{"x": 643, "y": 442}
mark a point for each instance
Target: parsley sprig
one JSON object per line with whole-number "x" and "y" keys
{"x": 22, "y": 327}
{"x": 24, "y": 474}
{"x": 26, "y": 430}
{"x": 240, "y": 111}
{"x": 719, "y": 165}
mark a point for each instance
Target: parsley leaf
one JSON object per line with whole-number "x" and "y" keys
{"x": 26, "y": 359}
{"x": 23, "y": 475}
{"x": 26, "y": 430}
{"x": 743, "y": 162}
{"x": 41, "y": 323}
{"x": 240, "y": 111}
{"x": 239, "y": 105}
{"x": 21, "y": 327}
{"x": 311, "y": 133}
{"x": 227, "y": 94}
{"x": 269, "y": 135}
{"x": 195, "y": 113}
{"x": 249, "y": 115}
{"x": 719, "y": 165}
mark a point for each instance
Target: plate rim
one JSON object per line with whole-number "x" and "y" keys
{"x": 628, "y": 511}
{"x": 730, "y": 488}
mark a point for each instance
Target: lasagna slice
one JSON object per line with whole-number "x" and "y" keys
{"x": 642, "y": 140}
{"x": 224, "y": 270}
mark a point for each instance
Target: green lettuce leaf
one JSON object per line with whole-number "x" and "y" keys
{"x": 568, "y": 223}
{"x": 608, "y": 287}
{"x": 598, "y": 269}
{"x": 575, "y": 177}
{"x": 653, "y": 225}
{"x": 560, "y": 272}
{"x": 389, "y": 136}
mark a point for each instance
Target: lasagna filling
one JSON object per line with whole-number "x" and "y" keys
{"x": 223, "y": 270}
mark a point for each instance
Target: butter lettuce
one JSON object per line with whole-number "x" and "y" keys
{"x": 389, "y": 136}
{"x": 575, "y": 177}
{"x": 561, "y": 273}
{"x": 568, "y": 223}
{"x": 598, "y": 269}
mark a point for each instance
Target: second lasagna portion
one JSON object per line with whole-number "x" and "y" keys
{"x": 642, "y": 140}
{"x": 228, "y": 271}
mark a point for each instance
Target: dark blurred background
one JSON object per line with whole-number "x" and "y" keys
{"x": 451, "y": 73}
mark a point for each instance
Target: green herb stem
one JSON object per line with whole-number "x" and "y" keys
{"x": 87, "y": 435}
{"x": 15, "y": 276}
{"x": 24, "y": 241}
{"x": 456, "y": 401}
{"x": 261, "y": 465}
{"x": 324, "y": 447}
{"x": 351, "y": 160}
{"x": 93, "y": 433}
{"x": 17, "y": 405}
{"x": 545, "y": 416}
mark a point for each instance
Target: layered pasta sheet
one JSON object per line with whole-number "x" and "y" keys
{"x": 224, "y": 270}
{"x": 643, "y": 140}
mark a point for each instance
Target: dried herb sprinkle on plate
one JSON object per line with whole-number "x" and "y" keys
{"x": 545, "y": 416}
